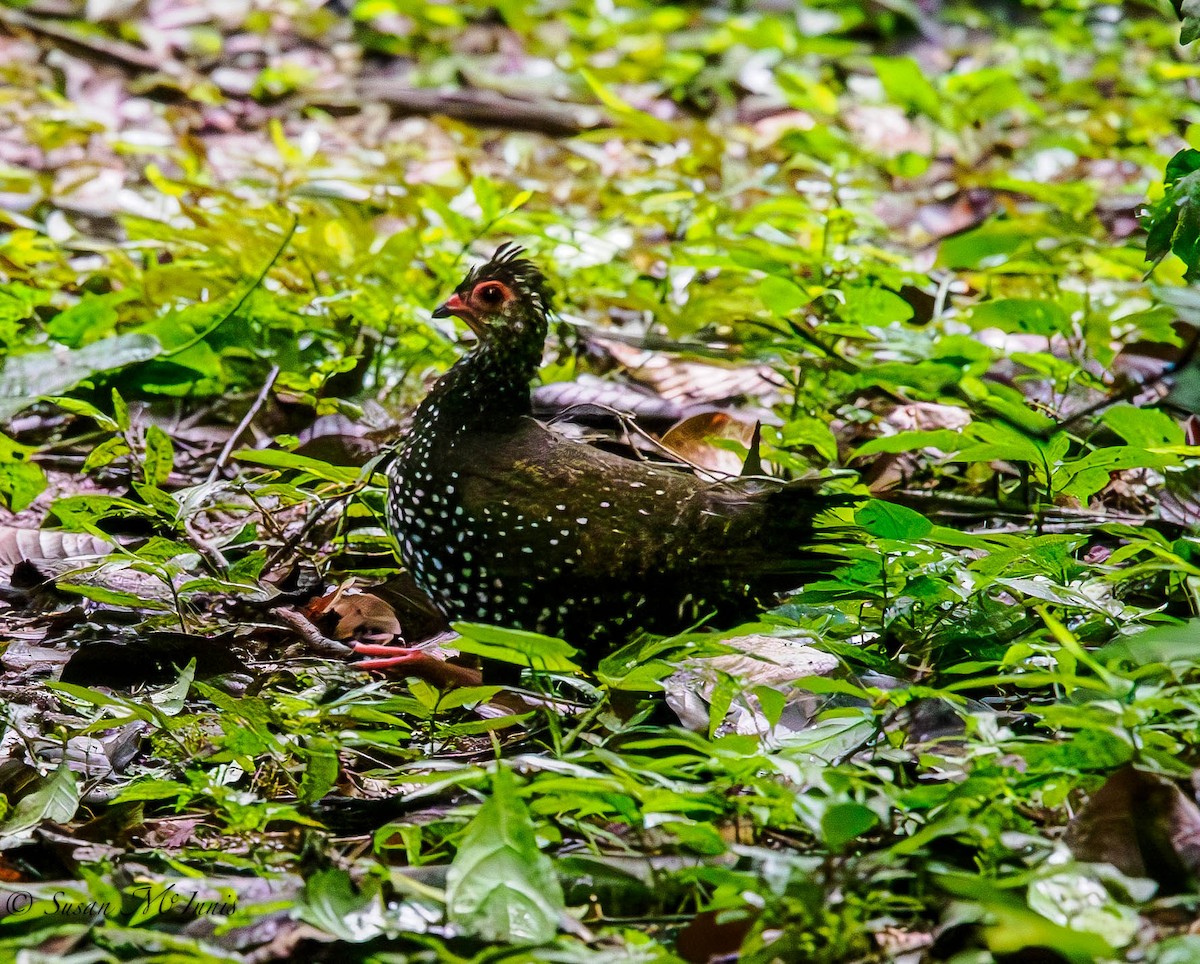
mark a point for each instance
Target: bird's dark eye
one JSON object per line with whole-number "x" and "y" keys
{"x": 490, "y": 294}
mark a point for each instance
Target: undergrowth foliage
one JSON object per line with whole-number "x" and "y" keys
{"x": 928, "y": 233}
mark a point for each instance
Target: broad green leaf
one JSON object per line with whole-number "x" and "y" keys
{"x": 56, "y": 798}
{"x": 944, "y": 439}
{"x": 1082, "y": 903}
{"x": 636, "y": 122}
{"x": 1012, "y": 927}
{"x": 91, "y": 318}
{"x": 320, "y": 769}
{"x": 25, "y": 378}
{"x": 105, "y": 453}
{"x": 1143, "y": 427}
{"x": 170, "y": 700}
{"x": 333, "y": 904}
{"x": 21, "y": 483}
{"x": 517, "y": 646}
{"x": 114, "y": 597}
{"x": 342, "y": 474}
{"x": 843, "y": 822}
{"x": 1000, "y": 441}
{"x": 77, "y": 406}
{"x": 720, "y": 700}
{"x": 887, "y": 520}
{"x": 781, "y": 296}
{"x": 1189, "y": 13}
{"x": 905, "y": 84}
{"x": 500, "y": 887}
{"x": 1174, "y": 220}
{"x": 988, "y": 245}
{"x": 1021, "y": 315}
{"x": 872, "y": 305}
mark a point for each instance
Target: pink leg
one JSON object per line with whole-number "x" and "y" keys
{"x": 403, "y": 661}
{"x": 390, "y": 656}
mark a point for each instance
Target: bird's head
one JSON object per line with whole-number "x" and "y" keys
{"x": 506, "y": 297}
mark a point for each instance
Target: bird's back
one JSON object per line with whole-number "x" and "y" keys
{"x": 520, "y": 526}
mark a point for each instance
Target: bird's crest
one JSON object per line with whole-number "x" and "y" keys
{"x": 520, "y": 274}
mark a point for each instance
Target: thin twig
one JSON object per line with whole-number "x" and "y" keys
{"x": 244, "y": 424}
{"x": 108, "y": 49}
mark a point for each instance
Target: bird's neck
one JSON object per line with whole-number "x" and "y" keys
{"x": 486, "y": 387}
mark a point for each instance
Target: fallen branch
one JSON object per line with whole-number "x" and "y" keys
{"x": 119, "y": 52}
{"x": 485, "y": 108}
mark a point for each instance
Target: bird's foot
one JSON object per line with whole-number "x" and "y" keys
{"x": 390, "y": 656}
{"x": 415, "y": 662}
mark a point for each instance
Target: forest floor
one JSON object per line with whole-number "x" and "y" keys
{"x": 906, "y": 238}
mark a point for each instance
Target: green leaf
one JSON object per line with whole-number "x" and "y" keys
{"x": 944, "y": 439}
{"x": 93, "y": 317}
{"x": 990, "y": 244}
{"x": 56, "y": 798}
{"x": 120, "y": 411}
{"x": 905, "y": 84}
{"x": 1021, "y": 315}
{"x": 500, "y": 887}
{"x": 772, "y": 701}
{"x": 1000, "y": 441}
{"x": 886, "y": 520}
{"x": 320, "y": 769}
{"x": 720, "y": 700}
{"x": 780, "y": 296}
{"x": 872, "y": 305}
{"x": 1174, "y": 219}
{"x": 25, "y": 378}
{"x": 1012, "y": 926}
{"x": 843, "y": 822}
{"x": 638, "y": 123}
{"x": 1189, "y": 13}
{"x": 160, "y": 456}
{"x": 77, "y": 406}
{"x": 113, "y": 597}
{"x": 21, "y": 483}
{"x": 1143, "y": 427}
{"x": 170, "y": 699}
{"x": 105, "y": 453}
{"x": 331, "y": 903}
{"x": 517, "y": 646}
{"x": 247, "y": 569}
{"x": 341, "y": 474}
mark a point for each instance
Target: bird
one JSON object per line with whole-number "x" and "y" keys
{"x": 504, "y": 521}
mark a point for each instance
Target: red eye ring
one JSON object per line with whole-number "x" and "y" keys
{"x": 490, "y": 293}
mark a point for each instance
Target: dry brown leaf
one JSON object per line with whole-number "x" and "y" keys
{"x": 1144, "y": 825}
{"x": 47, "y": 545}
{"x": 713, "y": 935}
{"x": 692, "y": 440}
{"x": 359, "y": 614}
{"x": 693, "y": 382}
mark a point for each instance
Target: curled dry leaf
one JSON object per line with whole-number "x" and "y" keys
{"x": 693, "y": 441}
{"x": 354, "y": 615}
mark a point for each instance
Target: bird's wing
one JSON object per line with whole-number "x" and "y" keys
{"x": 612, "y": 516}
